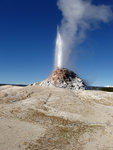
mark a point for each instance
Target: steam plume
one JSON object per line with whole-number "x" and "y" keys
{"x": 78, "y": 16}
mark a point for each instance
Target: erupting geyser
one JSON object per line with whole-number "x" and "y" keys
{"x": 78, "y": 16}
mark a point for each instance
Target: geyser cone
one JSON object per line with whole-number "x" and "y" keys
{"x": 64, "y": 78}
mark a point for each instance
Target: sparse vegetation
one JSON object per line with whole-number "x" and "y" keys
{"x": 106, "y": 89}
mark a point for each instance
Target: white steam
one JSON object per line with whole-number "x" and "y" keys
{"x": 78, "y": 16}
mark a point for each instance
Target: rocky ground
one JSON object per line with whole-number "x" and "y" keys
{"x": 44, "y": 118}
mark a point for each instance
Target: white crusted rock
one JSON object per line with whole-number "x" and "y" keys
{"x": 64, "y": 78}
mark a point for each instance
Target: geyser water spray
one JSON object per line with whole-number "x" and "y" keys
{"x": 59, "y": 51}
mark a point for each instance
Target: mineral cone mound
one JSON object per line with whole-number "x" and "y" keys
{"x": 64, "y": 78}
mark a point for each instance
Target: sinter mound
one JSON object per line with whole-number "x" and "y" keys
{"x": 64, "y": 78}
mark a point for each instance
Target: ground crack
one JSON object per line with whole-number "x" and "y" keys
{"x": 46, "y": 101}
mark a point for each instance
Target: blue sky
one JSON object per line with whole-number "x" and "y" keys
{"x": 27, "y": 40}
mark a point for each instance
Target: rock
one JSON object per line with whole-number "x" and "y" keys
{"x": 64, "y": 78}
